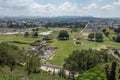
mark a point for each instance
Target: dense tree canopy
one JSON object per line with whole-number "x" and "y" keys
{"x": 96, "y": 36}
{"x": 106, "y": 34}
{"x": 92, "y": 74}
{"x": 117, "y": 38}
{"x": 26, "y": 34}
{"x": 91, "y": 36}
{"x": 104, "y": 30}
{"x": 86, "y": 59}
{"x": 33, "y": 64}
{"x": 35, "y": 34}
{"x": 10, "y": 55}
{"x": 66, "y": 24}
{"x": 117, "y": 30}
{"x": 21, "y": 25}
{"x": 99, "y": 37}
{"x": 63, "y": 35}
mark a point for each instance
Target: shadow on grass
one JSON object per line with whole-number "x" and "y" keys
{"x": 99, "y": 41}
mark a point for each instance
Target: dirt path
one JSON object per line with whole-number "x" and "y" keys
{"x": 80, "y": 33}
{"x": 111, "y": 52}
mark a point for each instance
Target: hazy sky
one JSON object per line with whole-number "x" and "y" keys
{"x": 98, "y": 8}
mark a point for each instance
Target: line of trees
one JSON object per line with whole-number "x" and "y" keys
{"x": 86, "y": 59}
{"x": 65, "y": 24}
{"x": 18, "y": 25}
{"x": 95, "y": 36}
{"x": 115, "y": 38}
{"x": 34, "y": 33}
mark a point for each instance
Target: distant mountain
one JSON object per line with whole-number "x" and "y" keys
{"x": 47, "y": 17}
{"x": 84, "y": 17}
{"x": 74, "y": 17}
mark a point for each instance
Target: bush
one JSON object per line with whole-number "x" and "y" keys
{"x": 99, "y": 37}
{"x": 35, "y": 34}
{"x": 92, "y": 74}
{"x": 47, "y": 38}
{"x": 91, "y": 36}
{"x": 26, "y": 34}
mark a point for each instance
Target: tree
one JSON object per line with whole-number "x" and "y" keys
{"x": 106, "y": 34}
{"x": 33, "y": 64}
{"x": 86, "y": 59}
{"x": 26, "y": 34}
{"x": 92, "y": 74}
{"x": 10, "y": 57}
{"x": 117, "y": 38}
{"x": 111, "y": 73}
{"x": 91, "y": 36}
{"x": 33, "y": 30}
{"x": 63, "y": 35}
{"x": 99, "y": 37}
{"x": 104, "y": 30}
{"x": 37, "y": 29}
{"x": 107, "y": 70}
{"x": 117, "y": 30}
{"x": 35, "y": 34}
{"x": 119, "y": 74}
{"x": 47, "y": 38}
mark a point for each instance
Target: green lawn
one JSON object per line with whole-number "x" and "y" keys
{"x": 17, "y": 38}
{"x": 65, "y": 48}
{"x": 21, "y": 38}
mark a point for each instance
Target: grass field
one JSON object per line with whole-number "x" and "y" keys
{"x": 17, "y": 38}
{"x": 21, "y": 38}
{"x": 65, "y": 48}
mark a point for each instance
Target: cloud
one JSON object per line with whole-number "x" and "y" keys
{"x": 107, "y": 7}
{"x": 68, "y": 8}
{"x": 43, "y": 10}
{"x": 36, "y": 9}
{"x": 33, "y": 8}
{"x": 91, "y": 6}
{"x": 116, "y": 3}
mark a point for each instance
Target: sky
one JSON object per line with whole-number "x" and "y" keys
{"x": 96, "y": 8}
